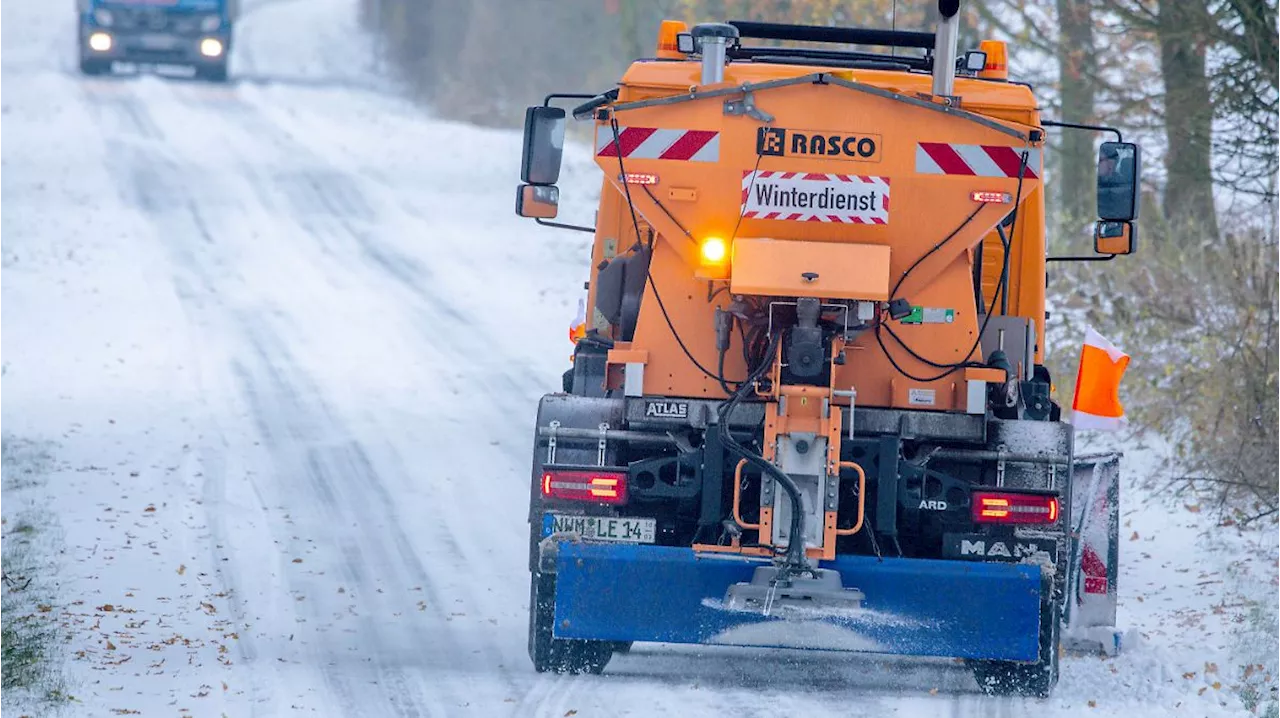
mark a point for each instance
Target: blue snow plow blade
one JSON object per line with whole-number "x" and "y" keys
{"x": 919, "y": 607}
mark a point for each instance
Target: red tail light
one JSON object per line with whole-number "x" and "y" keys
{"x": 990, "y": 507}
{"x": 601, "y": 487}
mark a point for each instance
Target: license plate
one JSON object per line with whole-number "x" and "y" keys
{"x": 155, "y": 41}
{"x": 977, "y": 547}
{"x": 601, "y": 528}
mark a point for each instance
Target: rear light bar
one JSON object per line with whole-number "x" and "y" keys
{"x": 990, "y": 507}
{"x": 639, "y": 178}
{"x": 989, "y": 197}
{"x": 601, "y": 487}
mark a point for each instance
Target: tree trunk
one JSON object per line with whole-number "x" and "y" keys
{"x": 1077, "y": 68}
{"x": 1188, "y": 196}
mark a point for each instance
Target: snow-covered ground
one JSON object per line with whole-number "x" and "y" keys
{"x": 279, "y": 346}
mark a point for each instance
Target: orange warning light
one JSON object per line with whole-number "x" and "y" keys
{"x": 997, "y": 67}
{"x": 668, "y": 46}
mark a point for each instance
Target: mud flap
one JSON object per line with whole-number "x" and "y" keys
{"x": 1095, "y": 523}
{"x": 921, "y": 607}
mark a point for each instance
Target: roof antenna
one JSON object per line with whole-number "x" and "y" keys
{"x": 893, "y": 49}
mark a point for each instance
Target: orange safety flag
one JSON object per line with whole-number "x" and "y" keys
{"x": 578, "y": 329}
{"x": 1097, "y": 401}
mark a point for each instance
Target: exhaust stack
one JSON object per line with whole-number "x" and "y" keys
{"x": 714, "y": 39}
{"x": 944, "y": 48}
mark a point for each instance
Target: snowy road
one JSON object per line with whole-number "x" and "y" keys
{"x": 279, "y": 345}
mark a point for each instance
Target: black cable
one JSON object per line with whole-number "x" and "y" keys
{"x": 1001, "y": 293}
{"x": 936, "y": 247}
{"x": 724, "y": 385}
{"x": 671, "y": 326}
{"x": 1013, "y": 224}
{"x": 664, "y": 209}
{"x": 950, "y": 368}
{"x": 635, "y": 223}
{"x": 795, "y": 554}
{"x": 743, "y": 212}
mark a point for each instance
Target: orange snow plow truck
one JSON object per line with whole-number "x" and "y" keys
{"x": 808, "y": 406}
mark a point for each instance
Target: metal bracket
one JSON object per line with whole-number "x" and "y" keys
{"x": 766, "y": 490}
{"x": 551, "y": 441}
{"x": 852, "y": 393}
{"x": 747, "y": 106}
{"x": 1002, "y": 449}
{"x": 600, "y": 446}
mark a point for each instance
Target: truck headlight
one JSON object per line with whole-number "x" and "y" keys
{"x": 104, "y": 17}
{"x": 100, "y": 42}
{"x": 211, "y": 47}
{"x": 209, "y": 23}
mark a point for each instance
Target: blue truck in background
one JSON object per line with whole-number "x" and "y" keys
{"x": 170, "y": 32}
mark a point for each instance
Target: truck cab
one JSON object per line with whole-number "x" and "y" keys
{"x": 196, "y": 33}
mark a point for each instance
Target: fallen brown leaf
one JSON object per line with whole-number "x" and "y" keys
{"x": 297, "y": 560}
{"x": 110, "y": 646}
{"x": 570, "y": 712}
{"x": 1093, "y": 704}
{"x": 182, "y": 568}
{"x": 1134, "y": 537}
{"x": 150, "y": 509}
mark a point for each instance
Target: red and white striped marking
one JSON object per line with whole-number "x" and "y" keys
{"x": 815, "y": 197}
{"x": 941, "y": 158}
{"x": 654, "y": 143}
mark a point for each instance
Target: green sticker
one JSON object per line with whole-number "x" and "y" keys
{"x": 929, "y": 315}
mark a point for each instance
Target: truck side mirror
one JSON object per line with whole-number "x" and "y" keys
{"x": 537, "y": 201}
{"x": 1119, "y": 170}
{"x": 543, "y": 145}
{"x": 1114, "y": 237}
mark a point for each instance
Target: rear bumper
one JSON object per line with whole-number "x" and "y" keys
{"x": 136, "y": 46}
{"x": 917, "y": 607}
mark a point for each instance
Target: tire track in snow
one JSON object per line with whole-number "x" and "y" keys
{"x": 319, "y": 454}
{"x": 490, "y": 658}
{"x": 154, "y": 183}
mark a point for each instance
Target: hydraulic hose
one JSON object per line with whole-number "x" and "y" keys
{"x": 796, "y": 560}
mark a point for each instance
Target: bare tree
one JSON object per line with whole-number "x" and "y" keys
{"x": 1246, "y": 87}
{"x": 1078, "y": 70}
{"x": 1184, "y": 28}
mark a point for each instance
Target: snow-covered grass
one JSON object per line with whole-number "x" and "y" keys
{"x": 32, "y": 639}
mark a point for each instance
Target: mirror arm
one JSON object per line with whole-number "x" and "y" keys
{"x": 546, "y": 101}
{"x": 584, "y": 111}
{"x": 558, "y": 225}
{"x": 1077, "y": 126}
{"x": 1092, "y": 258}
